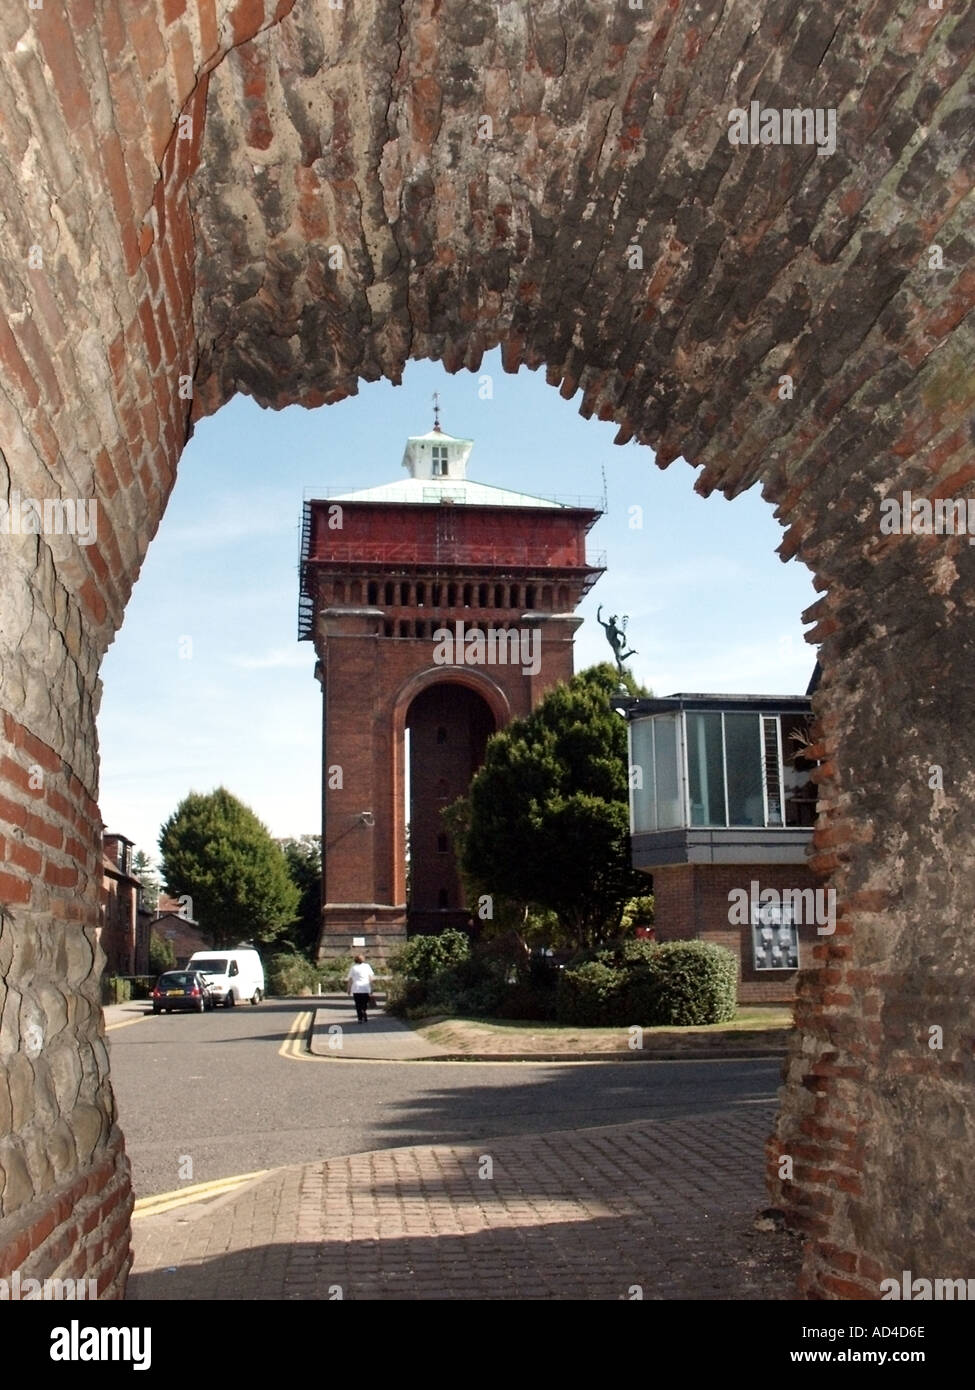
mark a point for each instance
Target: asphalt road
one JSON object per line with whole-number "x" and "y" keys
{"x": 213, "y": 1089}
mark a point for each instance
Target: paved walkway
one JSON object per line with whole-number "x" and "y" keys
{"x": 662, "y": 1210}
{"x": 336, "y": 1034}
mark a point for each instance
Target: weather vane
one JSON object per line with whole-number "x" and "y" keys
{"x": 436, "y": 411}
{"x": 616, "y": 637}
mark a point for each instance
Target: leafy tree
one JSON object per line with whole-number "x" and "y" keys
{"x": 304, "y": 857}
{"x": 216, "y": 850}
{"x": 162, "y": 954}
{"x": 144, "y": 870}
{"x": 638, "y": 912}
{"x": 546, "y": 821}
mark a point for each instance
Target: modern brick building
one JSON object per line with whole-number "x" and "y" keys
{"x": 440, "y": 608}
{"x": 722, "y": 811}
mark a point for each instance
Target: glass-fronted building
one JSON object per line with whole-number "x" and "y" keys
{"x": 722, "y": 811}
{"x": 720, "y": 779}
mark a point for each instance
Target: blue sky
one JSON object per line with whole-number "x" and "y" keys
{"x": 206, "y": 684}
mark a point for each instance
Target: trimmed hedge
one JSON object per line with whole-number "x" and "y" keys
{"x": 676, "y": 983}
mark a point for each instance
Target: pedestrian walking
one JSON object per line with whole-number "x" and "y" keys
{"x": 360, "y": 978}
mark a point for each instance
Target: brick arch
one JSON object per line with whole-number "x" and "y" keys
{"x": 478, "y": 681}
{"x": 599, "y": 226}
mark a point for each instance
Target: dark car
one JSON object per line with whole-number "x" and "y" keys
{"x": 182, "y": 989}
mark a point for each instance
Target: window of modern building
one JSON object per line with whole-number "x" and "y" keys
{"x": 721, "y": 769}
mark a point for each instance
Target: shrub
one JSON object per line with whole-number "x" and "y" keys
{"x": 332, "y": 973}
{"x": 677, "y": 984}
{"x": 162, "y": 956}
{"x": 425, "y": 957}
{"x": 590, "y": 995}
{"x": 115, "y": 989}
{"x": 535, "y": 1003}
{"x": 683, "y": 983}
{"x": 290, "y": 973}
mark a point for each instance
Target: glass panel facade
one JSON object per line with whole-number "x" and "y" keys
{"x": 643, "y": 810}
{"x": 743, "y": 749}
{"x": 742, "y": 770}
{"x": 666, "y": 763}
{"x": 705, "y": 770}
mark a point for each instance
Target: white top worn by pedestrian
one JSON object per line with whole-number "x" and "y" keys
{"x": 360, "y": 978}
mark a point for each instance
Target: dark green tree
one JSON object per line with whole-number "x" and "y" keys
{"x": 215, "y": 850}
{"x": 304, "y": 856}
{"x": 546, "y": 820}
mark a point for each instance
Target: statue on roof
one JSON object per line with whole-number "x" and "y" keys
{"x": 616, "y": 637}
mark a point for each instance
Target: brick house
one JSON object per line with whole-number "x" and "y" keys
{"x": 123, "y": 936}
{"x": 722, "y": 810}
{"x": 171, "y": 923}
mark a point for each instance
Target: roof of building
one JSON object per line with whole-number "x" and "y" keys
{"x": 464, "y": 492}
{"x": 422, "y": 487}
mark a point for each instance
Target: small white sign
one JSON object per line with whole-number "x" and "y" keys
{"x": 358, "y": 941}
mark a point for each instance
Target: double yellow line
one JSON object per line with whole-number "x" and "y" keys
{"x": 199, "y": 1192}
{"x": 294, "y": 1047}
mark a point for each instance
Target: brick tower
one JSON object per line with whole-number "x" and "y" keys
{"x": 440, "y": 608}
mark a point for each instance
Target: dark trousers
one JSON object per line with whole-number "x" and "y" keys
{"x": 361, "y": 1003}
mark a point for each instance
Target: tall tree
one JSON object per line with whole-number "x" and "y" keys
{"x": 145, "y": 871}
{"x": 215, "y": 850}
{"x": 546, "y": 820}
{"x": 304, "y": 856}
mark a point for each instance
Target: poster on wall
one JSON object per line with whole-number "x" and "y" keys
{"x": 775, "y": 938}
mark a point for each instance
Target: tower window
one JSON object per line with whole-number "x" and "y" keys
{"x": 439, "y": 460}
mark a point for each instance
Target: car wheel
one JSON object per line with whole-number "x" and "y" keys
{"x": 156, "y": 1009}
{"x": 230, "y": 1001}
{"x": 201, "y": 1006}
{"x": 258, "y": 996}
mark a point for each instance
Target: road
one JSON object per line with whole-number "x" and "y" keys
{"x": 202, "y": 1097}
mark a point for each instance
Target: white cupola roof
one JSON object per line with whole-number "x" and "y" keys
{"x": 437, "y": 467}
{"x": 436, "y": 456}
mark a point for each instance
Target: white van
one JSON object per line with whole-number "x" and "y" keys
{"x": 233, "y": 975}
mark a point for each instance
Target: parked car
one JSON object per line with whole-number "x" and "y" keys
{"x": 182, "y": 989}
{"x": 233, "y": 975}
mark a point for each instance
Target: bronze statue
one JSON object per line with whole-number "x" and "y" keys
{"x": 616, "y": 637}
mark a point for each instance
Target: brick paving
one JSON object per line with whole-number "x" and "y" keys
{"x": 668, "y": 1206}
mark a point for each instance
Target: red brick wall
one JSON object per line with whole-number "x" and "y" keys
{"x": 691, "y": 900}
